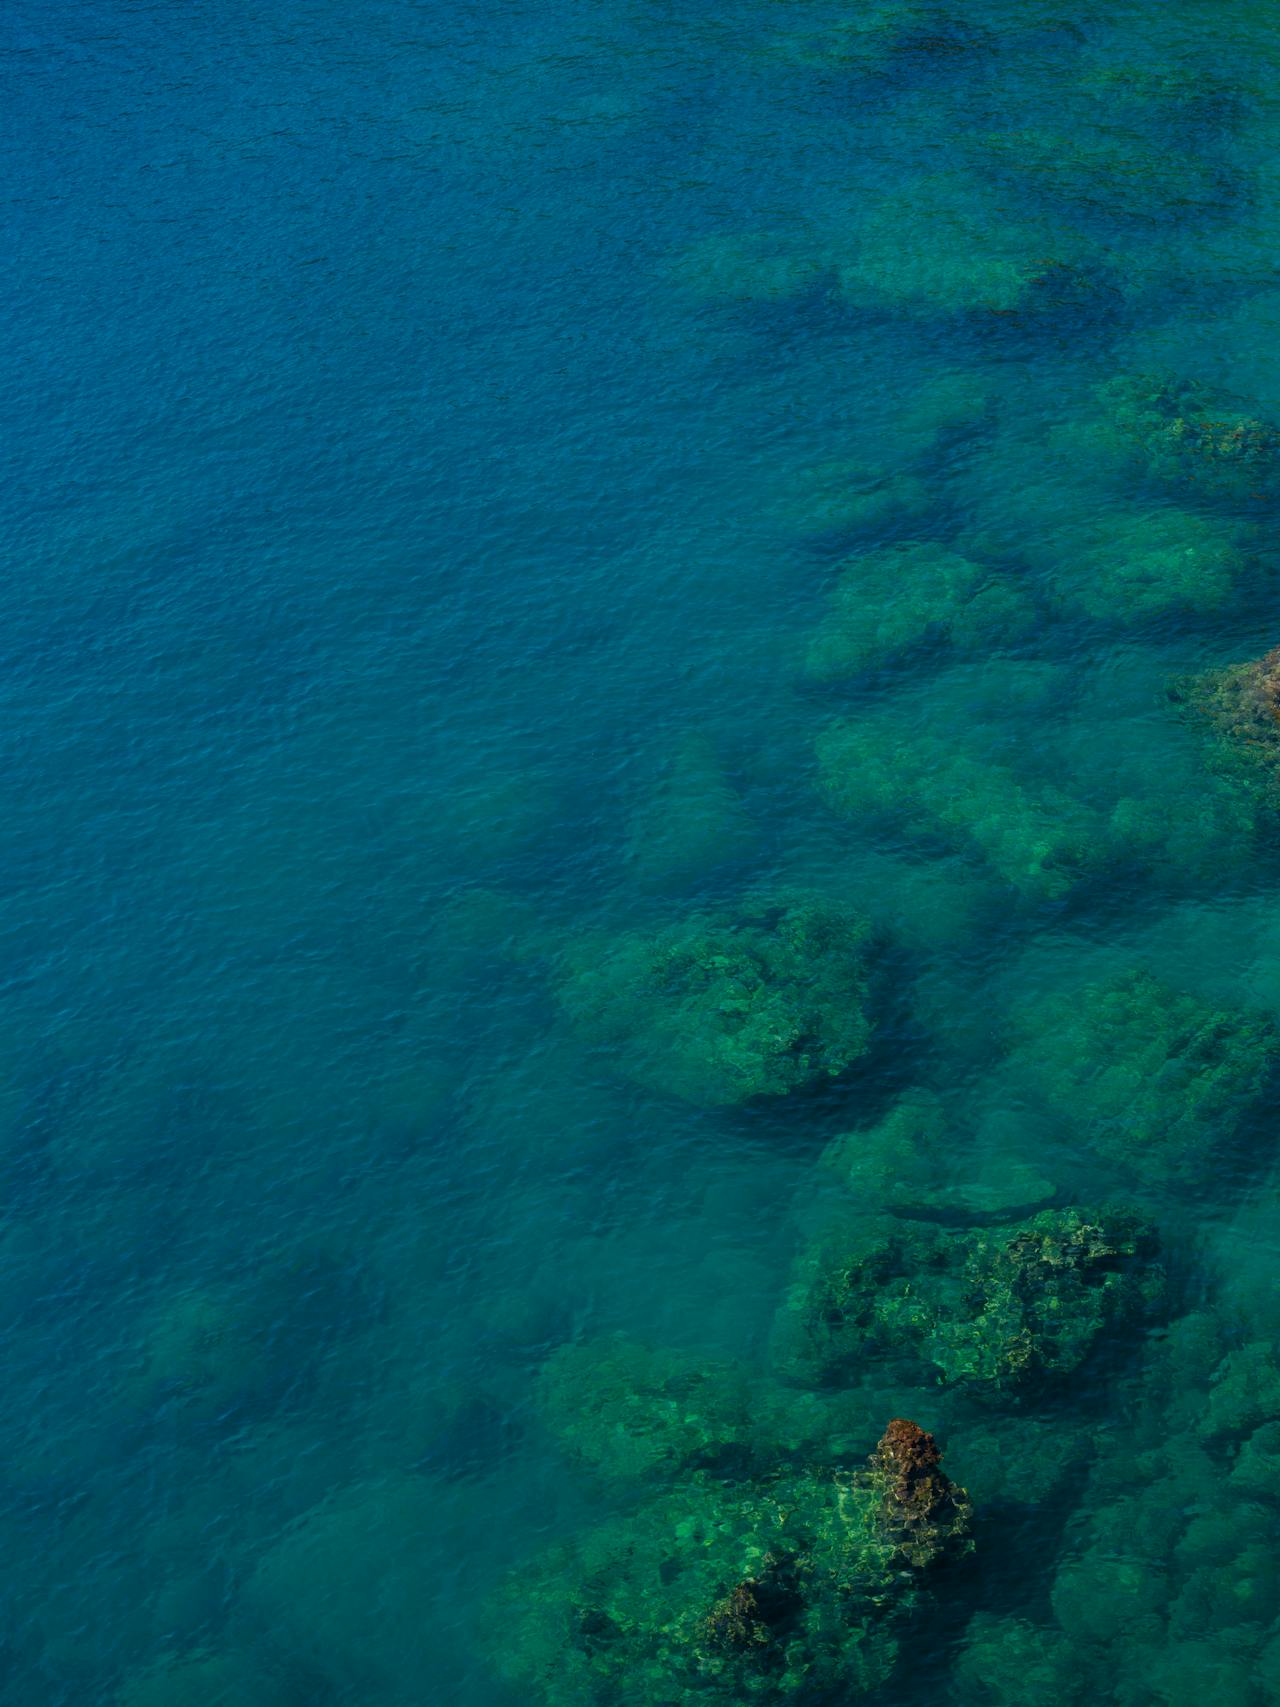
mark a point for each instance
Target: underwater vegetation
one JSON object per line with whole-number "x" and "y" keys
{"x": 1035, "y": 837}
{"x": 779, "y": 1588}
{"x": 1000, "y": 1310}
{"x": 1167, "y": 1588}
{"x": 1188, "y": 438}
{"x": 941, "y": 243}
{"x": 1239, "y": 711}
{"x": 721, "y": 1009}
{"x": 1132, "y": 566}
{"x": 1145, "y": 1076}
{"x": 886, "y": 601}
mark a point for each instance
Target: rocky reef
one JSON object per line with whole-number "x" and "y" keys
{"x": 718, "y": 1009}
{"x": 888, "y": 601}
{"x": 1035, "y": 838}
{"x": 1146, "y": 1076}
{"x": 1238, "y": 711}
{"x": 1174, "y": 433}
{"x": 1000, "y": 1311}
{"x": 774, "y": 1590}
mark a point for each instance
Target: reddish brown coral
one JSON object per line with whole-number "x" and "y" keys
{"x": 923, "y": 1511}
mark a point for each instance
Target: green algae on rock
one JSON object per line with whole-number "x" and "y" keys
{"x": 941, "y": 244}
{"x": 1240, "y": 709}
{"x": 1132, "y": 565}
{"x": 1169, "y": 1589}
{"x": 996, "y": 1309}
{"x": 631, "y": 1412}
{"x": 1149, "y": 1077}
{"x": 1036, "y": 838}
{"x": 721, "y": 1008}
{"x": 776, "y": 1590}
{"x": 626, "y": 1409}
{"x": 887, "y": 601}
{"x": 1008, "y": 1662}
{"x": 1193, "y": 439}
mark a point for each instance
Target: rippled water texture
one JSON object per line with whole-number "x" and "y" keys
{"x": 641, "y": 783}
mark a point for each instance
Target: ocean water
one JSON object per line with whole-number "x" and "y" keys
{"x": 512, "y": 511}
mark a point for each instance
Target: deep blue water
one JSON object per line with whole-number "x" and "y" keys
{"x": 431, "y": 437}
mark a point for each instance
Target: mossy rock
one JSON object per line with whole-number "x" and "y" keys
{"x": 998, "y": 1310}
{"x": 1036, "y": 838}
{"x": 1147, "y": 1076}
{"x": 888, "y": 601}
{"x": 1132, "y": 566}
{"x": 1008, "y": 1662}
{"x": 720, "y": 1009}
{"x": 627, "y": 1410}
{"x": 1192, "y": 439}
{"x": 774, "y": 1591}
{"x": 1237, "y": 712}
{"x": 939, "y": 244}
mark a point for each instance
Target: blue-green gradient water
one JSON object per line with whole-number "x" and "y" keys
{"x": 491, "y": 487}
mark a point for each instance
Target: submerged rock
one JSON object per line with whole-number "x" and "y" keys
{"x": 1147, "y": 1076}
{"x": 1240, "y": 709}
{"x": 719, "y": 1009}
{"x": 940, "y": 243}
{"x": 775, "y": 1590}
{"x": 998, "y": 1310}
{"x": 1035, "y": 837}
{"x": 1192, "y": 438}
{"x": 887, "y": 601}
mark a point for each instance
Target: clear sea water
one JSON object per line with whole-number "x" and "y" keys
{"x": 429, "y": 437}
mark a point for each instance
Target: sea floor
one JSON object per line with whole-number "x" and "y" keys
{"x": 643, "y": 833}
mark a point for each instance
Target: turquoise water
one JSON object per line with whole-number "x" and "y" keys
{"x": 598, "y": 643}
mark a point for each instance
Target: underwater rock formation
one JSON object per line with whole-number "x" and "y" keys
{"x": 1240, "y": 707}
{"x": 940, "y": 244}
{"x": 1036, "y": 838}
{"x": 1133, "y": 566}
{"x": 1191, "y": 438}
{"x": 1007, "y": 1662}
{"x": 719, "y": 1009}
{"x": 1168, "y": 1590}
{"x": 919, "y": 1506}
{"x": 626, "y": 1409}
{"x": 775, "y": 1590}
{"x": 1145, "y": 1075}
{"x": 997, "y": 1310}
{"x": 887, "y": 601}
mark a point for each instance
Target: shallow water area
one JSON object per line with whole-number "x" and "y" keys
{"x": 642, "y": 797}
